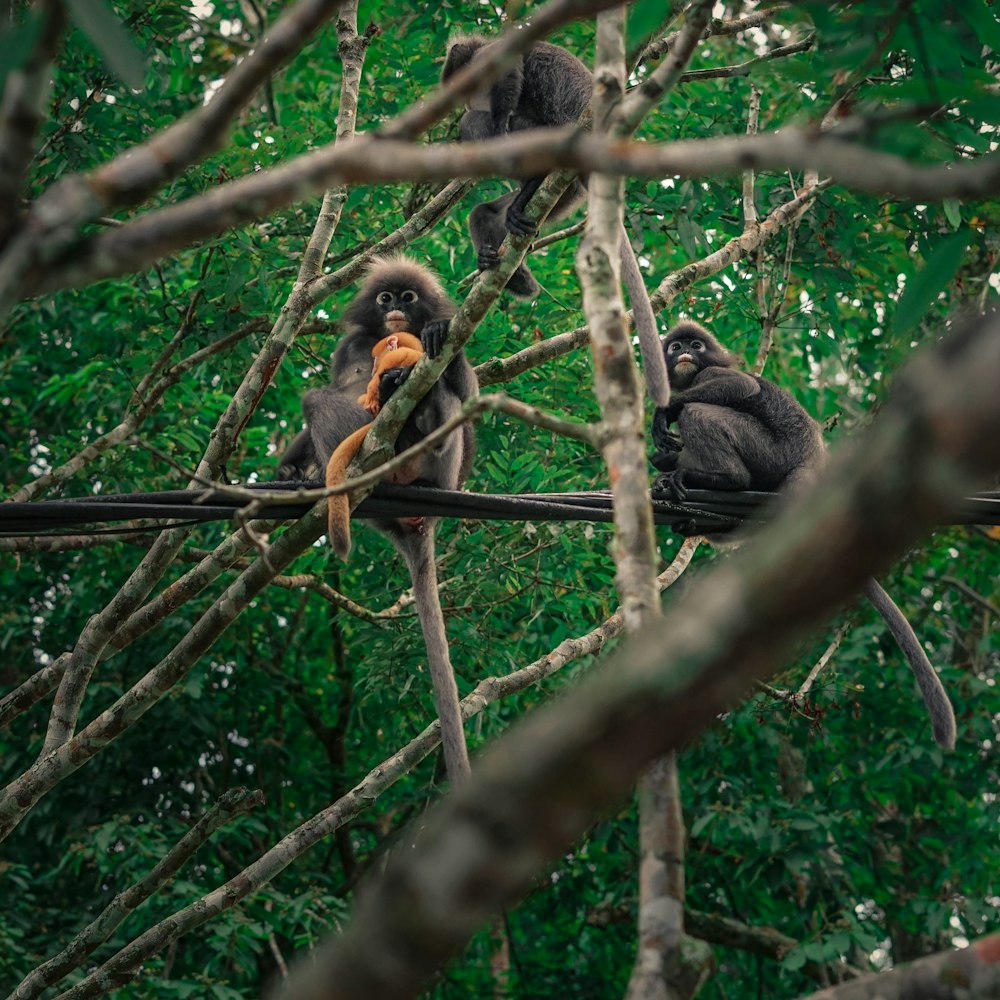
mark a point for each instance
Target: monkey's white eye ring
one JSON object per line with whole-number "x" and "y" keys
{"x": 409, "y": 296}
{"x": 383, "y": 298}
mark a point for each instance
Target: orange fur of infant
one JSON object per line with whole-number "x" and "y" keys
{"x": 399, "y": 350}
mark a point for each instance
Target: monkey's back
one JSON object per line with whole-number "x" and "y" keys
{"x": 801, "y": 441}
{"x": 557, "y": 86}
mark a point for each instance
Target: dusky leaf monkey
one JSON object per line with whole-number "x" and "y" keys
{"x": 548, "y": 87}
{"x": 398, "y": 350}
{"x": 399, "y": 296}
{"x": 737, "y": 431}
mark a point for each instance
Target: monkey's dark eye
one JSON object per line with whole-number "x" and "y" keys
{"x": 697, "y": 345}
{"x": 383, "y": 298}
{"x": 409, "y": 296}
{"x": 675, "y": 346}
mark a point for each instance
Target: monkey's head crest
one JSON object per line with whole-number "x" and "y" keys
{"x": 462, "y": 48}
{"x": 400, "y": 271}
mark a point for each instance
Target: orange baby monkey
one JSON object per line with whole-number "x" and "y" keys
{"x": 400, "y": 350}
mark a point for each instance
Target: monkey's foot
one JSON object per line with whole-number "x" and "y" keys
{"x": 673, "y": 483}
{"x": 522, "y": 283}
{"x": 519, "y": 224}
{"x": 664, "y": 461}
{"x": 489, "y": 257}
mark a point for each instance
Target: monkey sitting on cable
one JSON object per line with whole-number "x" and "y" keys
{"x": 547, "y": 87}
{"x": 737, "y": 431}
{"x": 398, "y": 296}
{"x": 399, "y": 350}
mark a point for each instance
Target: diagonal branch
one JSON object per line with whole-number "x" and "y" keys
{"x": 121, "y": 967}
{"x": 22, "y": 108}
{"x": 369, "y": 161}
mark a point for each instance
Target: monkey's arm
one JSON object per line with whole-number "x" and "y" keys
{"x": 504, "y": 97}
{"x": 299, "y": 460}
{"x": 718, "y": 386}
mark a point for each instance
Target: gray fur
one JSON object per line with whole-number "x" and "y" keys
{"x": 742, "y": 432}
{"x": 333, "y": 412}
{"x": 547, "y": 87}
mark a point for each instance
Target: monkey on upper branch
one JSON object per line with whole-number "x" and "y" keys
{"x": 400, "y": 295}
{"x": 737, "y": 431}
{"x": 399, "y": 350}
{"x": 548, "y": 87}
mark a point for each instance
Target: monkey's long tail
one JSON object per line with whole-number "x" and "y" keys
{"x": 653, "y": 365}
{"x": 935, "y": 698}
{"x": 418, "y": 551}
{"x": 338, "y": 507}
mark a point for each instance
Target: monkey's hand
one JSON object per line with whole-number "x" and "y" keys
{"x": 663, "y": 438}
{"x": 668, "y": 442}
{"x": 432, "y": 336}
{"x": 391, "y": 380}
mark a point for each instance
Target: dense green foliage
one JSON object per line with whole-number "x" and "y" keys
{"x": 833, "y": 820}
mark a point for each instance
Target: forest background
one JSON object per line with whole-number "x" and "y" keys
{"x": 826, "y": 834}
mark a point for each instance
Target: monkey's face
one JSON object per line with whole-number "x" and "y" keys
{"x": 400, "y": 309}
{"x": 685, "y": 357}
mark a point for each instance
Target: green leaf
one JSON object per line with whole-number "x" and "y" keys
{"x": 952, "y": 211}
{"x": 644, "y": 20}
{"x": 924, "y": 286}
{"x": 112, "y": 40}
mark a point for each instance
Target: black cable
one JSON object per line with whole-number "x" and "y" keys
{"x": 701, "y": 511}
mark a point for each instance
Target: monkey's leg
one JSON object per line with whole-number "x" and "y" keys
{"x": 418, "y": 551}
{"x": 715, "y": 440}
{"x": 299, "y": 459}
{"x": 488, "y": 231}
{"x": 332, "y": 415}
{"x": 935, "y": 698}
{"x": 516, "y": 221}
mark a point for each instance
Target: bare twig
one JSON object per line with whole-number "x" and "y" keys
{"x": 716, "y": 27}
{"x": 235, "y": 802}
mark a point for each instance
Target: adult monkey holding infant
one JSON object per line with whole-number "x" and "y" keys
{"x": 400, "y": 296}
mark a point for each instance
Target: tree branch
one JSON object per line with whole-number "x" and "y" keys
{"x": 122, "y": 966}
{"x": 368, "y": 160}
